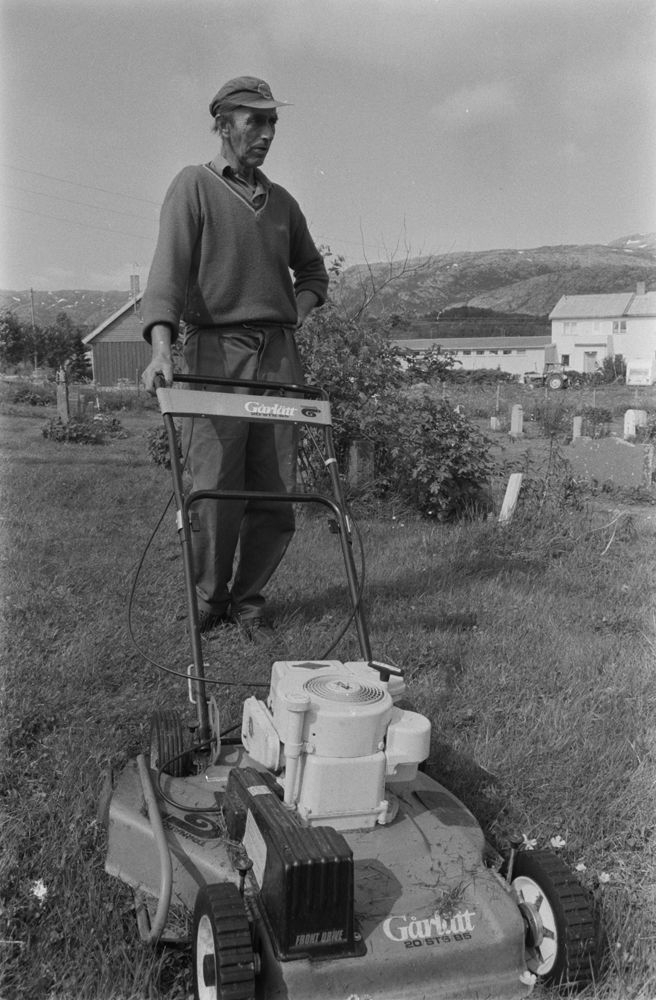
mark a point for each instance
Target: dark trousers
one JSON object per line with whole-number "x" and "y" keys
{"x": 228, "y": 454}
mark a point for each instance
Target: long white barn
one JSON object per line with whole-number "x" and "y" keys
{"x": 514, "y": 355}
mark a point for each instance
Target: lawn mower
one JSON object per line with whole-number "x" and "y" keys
{"x": 312, "y": 855}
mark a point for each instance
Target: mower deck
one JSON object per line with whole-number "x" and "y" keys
{"x": 426, "y": 905}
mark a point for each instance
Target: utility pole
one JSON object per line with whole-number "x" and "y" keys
{"x": 33, "y": 326}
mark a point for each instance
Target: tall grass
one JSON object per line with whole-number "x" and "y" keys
{"x": 530, "y": 647}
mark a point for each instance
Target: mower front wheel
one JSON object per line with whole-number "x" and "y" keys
{"x": 224, "y": 963}
{"x": 558, "y": 919}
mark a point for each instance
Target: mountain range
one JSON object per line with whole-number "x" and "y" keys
{"x": 510, "y": 281}
{"x": 528, "y": 281}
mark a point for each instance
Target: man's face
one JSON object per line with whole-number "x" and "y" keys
{"x": 249, "y": 137}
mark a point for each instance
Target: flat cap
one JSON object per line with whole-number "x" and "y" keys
{"x": 244, "y": 92}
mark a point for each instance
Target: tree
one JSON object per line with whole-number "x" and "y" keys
{"x": 54, "y": 346}
{"x": 14, "y": 344}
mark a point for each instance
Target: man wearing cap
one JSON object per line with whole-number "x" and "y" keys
{"x": 235, "y": 271}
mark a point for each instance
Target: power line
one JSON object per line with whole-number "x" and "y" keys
{"x": 89, "y": 187}
{"x": 85, "y": 225}
{"x": 71, "y": 201}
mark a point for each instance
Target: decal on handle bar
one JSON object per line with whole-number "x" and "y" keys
{"x": 278, "y": 409}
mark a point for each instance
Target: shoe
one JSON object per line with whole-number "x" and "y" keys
{"x": 255, "y": 628}
{"x": 209, "y": 620}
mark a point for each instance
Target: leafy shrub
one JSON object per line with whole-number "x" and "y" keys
{"x": 157, "y": 444}
{"x": 647, "y": 433}
{"x": 596, "y": 421}
{"x": 429, "y": 454}
{"x": 553, "y": 417}
{"x": 110, "y": 425}
{"x": 74, "y": 432}
{"x": 424, "y": 452}
{"x": 33, "y": 395}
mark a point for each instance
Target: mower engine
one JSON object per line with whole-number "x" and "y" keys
{"x": 333, "y": 735}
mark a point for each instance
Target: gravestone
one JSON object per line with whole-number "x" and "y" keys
{"x": 360, "y": 462}
{"x": 516, "y": 421}
{"x": 577, "y": 427}
{"x": 63, "y": 411}
{"x": 632, "y": 420}
{"x": 612, "y": 461}
{"x": 513, "y": 490}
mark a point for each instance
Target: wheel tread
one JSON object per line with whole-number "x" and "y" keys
{"x": 574, "y": 967}
{"x": 234, "y": 949}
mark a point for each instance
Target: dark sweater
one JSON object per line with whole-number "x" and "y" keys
{"x": 219, "y": 261}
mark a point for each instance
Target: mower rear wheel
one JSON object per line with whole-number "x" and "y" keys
{"x": 224, "y": 962}
{"x": 559, "y": 923}
{"x": 167, "y": 744}
{"x": 555, "y": 381}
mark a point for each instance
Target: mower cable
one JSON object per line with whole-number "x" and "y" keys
{"x": 349, "y": 619}
{"x": 160, "y": 666}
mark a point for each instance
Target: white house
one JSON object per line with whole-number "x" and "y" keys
{"x": 509, "y": 354}
{"x": 585, "y": 329}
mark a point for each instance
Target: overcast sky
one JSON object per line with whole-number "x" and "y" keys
{"x": 435, "y": 125}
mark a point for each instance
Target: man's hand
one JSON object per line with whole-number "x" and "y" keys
{"x": 161, "y": 363}
{"x": 305, "y": 303}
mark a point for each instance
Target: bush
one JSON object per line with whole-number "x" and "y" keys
{"x": 596, "y": 421}
{"x": 74, "y": 432}
{"x": 33, "y": 395}
{"x": 429, "y": 454}
{"x": 157, "y": 444}
{"x": 110, "y": 425}
{"x": 424, "y": 451}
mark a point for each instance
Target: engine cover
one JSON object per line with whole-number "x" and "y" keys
{"x": 341, "y": 739}
{"x": 347, "y": 714}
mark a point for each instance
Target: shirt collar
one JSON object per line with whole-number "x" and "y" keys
{"x": 222, "y": 167}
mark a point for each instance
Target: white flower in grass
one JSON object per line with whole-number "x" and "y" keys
{"x": 580, "y": 867}
{"x": 528, "y": 979}
{"x": 557, "y": 842}
{"x": 528, "y": 844}
{"x": 39, "y": 889}
{"x": 604, "y": 878}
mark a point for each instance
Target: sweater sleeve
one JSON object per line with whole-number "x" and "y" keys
{"x": 305, "y": 260}
{"x": 179, "y": 231}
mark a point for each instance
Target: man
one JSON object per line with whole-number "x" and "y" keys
{"x": 228, "y": 240}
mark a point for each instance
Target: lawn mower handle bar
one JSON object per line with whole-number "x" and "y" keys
{"x": 337, "y": 505}
{"x": 311, "y": 391}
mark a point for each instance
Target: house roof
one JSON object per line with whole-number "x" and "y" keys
{"x": 604, "y": 306}
{"x": 130, "y": 304}
{"x": 474, "y": 343}
{"x": 591, "y": 306}
{"x": 642, "y": 305}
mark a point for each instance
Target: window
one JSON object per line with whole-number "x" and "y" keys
{"x": 564, "y": 359}
{"x": 507, "y": 350}
{"x": 569, "y": 327}
{"x": 619, "y": 326}
{"x": 466, "y": 352}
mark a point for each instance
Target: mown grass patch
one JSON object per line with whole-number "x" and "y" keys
{"x": 529, "y": 646}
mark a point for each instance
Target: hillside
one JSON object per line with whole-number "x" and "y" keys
{"x": 513, "y": 281}
{"x": 86, "y": 308}
{"x": 507, "y": 281}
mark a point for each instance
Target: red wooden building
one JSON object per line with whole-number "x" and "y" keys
{"x": 118, "y": 351}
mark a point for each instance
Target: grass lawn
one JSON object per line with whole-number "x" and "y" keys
{"x": 531, "y": 648}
